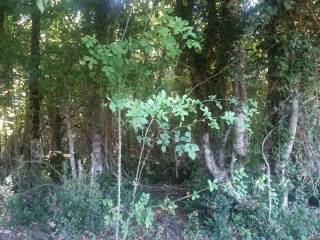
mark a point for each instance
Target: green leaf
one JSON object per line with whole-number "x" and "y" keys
{"x": 164, "y": 140}
{"x": 212, "y": 185}
{"x": 228, "y": 117}
{"x": 195, "y": 195}
{"x": 214, "y": 124}
{"x": 191, "y": 149}
{"x": 179, "y": 149}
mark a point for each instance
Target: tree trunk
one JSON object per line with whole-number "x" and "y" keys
{"x": 292, "y": 130}
{"x": 229, "y": 33}
{"x": 240, "y": 138}
{"x": 211, "y": 160}
{"x": 222, "y": 34}
{"x": 2, "y": 18}
{"x": 56, "y": 122}
{"x": 201, "y": 63}
{"x": 34, "y": 79}
{"x": 293, "y": 124}
{"x": 6, "y": 76}
{"x": 108, "y": 136}
{"x": 70, "y": 142}
{"x": 98, "y": 155}
{"x": 34, "y": 99}
{"x": 34, "y": 94}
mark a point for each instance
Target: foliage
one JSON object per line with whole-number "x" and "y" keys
{"x": 155, "y": 119}
{"x": 163, "y": 75}
{"x": 140, "y": 58}
{"x": 28, "y": 204}
{"x": 76, "y": 207}
{"x": 220, "y": 215}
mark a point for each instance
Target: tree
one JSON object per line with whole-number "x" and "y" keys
{"x": 34, "y": 95}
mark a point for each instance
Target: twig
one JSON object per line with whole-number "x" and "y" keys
{"x": 146, "y": 158}
{"x": 268, "y": 171}
{"x": 127, "y": 23}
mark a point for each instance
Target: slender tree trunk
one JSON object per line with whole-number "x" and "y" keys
{"x": 240, "y": 138}
{"x": 293, "y": 123}
{"x": 108, "y": 136}
{"x": 70, "y": 142}
{"x": 292, "y": 130}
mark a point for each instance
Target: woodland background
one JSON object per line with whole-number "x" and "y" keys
{"x": 160, "y": 119}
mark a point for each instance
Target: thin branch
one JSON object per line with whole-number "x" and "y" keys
{"x": 136, "y": 180}
{"x": 127, "y": 23}
{"x": 268, "y": 171}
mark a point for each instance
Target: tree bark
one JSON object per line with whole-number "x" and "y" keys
{"x": 56, "y": 122}
{"x": 34, "y": 97}
{"x": 240, "y": 138}
{"x": 108, "y": 136}
{"x": 6, "y": 76}
{"x": 293, "y": 124}
{"x": 292, "y": 130}
{"x": 211, "y": 160}
{"x": 70, "y": 142}
{"x": 222, "y": 34}
{"x": 98, "y": 155}
{"x": 201, "y": 63}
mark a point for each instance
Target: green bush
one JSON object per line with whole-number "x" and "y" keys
{"x": 28, "y": 204}
{"x": 220, "y": 215}
{"x": 78, "y": 206}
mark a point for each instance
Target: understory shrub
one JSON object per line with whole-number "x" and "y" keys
{"x": 218, "y": 215}
{"x": 28, "y": 205}
{"x": 77, "y": 206}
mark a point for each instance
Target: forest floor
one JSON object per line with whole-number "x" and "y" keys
{"x": 164, "y": 228}
{"x": 165, "y": 225}
{"x": 20, "y": 233}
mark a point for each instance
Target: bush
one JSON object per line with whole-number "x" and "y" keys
{"x": 220, "y": 216}
{"x": 28, "y": 204}
{"x": 78, "y": 206}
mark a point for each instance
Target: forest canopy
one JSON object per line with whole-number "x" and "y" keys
{"x": 142, "y": 119}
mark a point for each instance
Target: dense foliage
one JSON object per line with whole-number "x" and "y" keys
{"x": 151, "y": 119}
